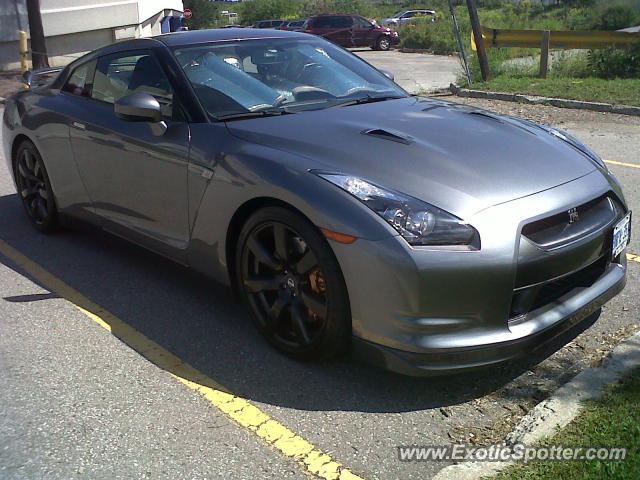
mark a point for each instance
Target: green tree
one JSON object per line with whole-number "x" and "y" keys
{"x": 254, "y": 10}
{"x": 205, "y": 14}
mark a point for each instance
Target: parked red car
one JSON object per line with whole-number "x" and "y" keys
{"x": 352, "y": 31}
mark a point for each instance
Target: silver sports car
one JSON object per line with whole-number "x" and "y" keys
{"x": 426, "y": 236}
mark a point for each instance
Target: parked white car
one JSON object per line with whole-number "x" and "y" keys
{"x": 404, "y": 17}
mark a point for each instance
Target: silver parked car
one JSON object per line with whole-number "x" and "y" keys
{"x": 426, "y": 236}
{"x": 406, "y": 16}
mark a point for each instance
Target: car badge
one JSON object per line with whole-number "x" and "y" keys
{"x": 573, "y": 215}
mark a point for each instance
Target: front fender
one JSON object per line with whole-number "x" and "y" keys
{"x": 259, "y": 172}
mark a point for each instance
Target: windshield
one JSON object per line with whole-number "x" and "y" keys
{"x": 279, "y": 75}
{"x": 399, "y": 14}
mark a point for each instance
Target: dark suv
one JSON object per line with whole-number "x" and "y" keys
{"x": 352, "y": 31}
{"x": 268, "y": 24}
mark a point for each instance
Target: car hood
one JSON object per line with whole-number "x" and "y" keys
{"x": 458, "y": 158}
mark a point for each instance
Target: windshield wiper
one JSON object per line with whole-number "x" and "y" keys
{"x": 367, "y": 99}
{"x": 257, "y": 113}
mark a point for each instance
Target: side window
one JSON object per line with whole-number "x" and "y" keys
{"x": 124, "y": 74}
{"x": 343, "y": 22}
{"x": 409, "y": 15}
{"x": 79, "y": 82}
{"x": 359, "y": 22}
{"x": 323, "y": 22}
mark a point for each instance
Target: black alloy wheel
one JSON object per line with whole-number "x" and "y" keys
{"x": 34, "y": 188}
{"x": 292, "y": 283}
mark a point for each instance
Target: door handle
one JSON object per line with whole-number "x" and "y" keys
{"x": 78, "y": 125}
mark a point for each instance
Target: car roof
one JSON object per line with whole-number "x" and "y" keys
{"x": 221, "y": 34}
{"x": 176, "y": 39}
{"x": 336, "y": 15}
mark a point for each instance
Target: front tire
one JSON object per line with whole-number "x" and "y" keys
{"x": 383, "y": 43}
{"x": 288, "y": 276}
{"x": 34, "y": 188}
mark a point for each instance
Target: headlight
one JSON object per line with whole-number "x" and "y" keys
{"x": 418, "y": 222}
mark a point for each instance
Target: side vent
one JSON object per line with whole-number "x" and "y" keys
{"x": 386, "y": 135}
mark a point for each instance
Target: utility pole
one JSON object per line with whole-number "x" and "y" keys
{"x": 477, "y": 35}
{"x": 38, "y": 46}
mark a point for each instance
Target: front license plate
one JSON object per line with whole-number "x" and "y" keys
{"x": 621, "y": 234}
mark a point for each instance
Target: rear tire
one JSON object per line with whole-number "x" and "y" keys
{"x": 34, "y": 188}
{"x": 383, "y": 43}
{"x": 292, "y": 283}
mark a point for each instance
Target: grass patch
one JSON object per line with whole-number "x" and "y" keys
{"x": 611, "y": 421}
{"x": 622, "y": 91}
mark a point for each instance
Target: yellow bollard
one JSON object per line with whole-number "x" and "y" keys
{"x": 24, "y": 50}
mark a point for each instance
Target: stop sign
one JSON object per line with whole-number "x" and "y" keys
{"x": 187, "y": 13}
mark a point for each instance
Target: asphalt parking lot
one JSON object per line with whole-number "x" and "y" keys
{"x": 80, "y": 401}
{"x": 415, "y": 72}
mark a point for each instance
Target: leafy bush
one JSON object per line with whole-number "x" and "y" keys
{"x": 615, "y": 63}
{"x": 436, "y": 37}
{"x": 615, "y": 17}
{"x": 253, "y": 11}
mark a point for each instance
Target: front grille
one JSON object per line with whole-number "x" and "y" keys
{"x": 563, "y": 228}
{"x": 529, "y": 299}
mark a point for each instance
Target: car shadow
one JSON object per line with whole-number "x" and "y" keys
{"x": 199, "y": 321}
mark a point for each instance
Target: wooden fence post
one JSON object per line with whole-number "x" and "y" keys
{"x": 544, "y": 53}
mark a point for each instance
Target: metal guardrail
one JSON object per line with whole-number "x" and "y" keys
{"x": 558, "y": 39}
{"x": 561, "y": 39}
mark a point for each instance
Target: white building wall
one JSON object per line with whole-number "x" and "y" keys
{"x": 74, "y": 27}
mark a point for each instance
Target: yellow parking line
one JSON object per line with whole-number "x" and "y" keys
{"x": 633, "y": 258}
{"x": 624, "y": 164}
{"x": 311, "y": 459}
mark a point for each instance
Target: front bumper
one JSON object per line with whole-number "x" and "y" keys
{"x": 424, "y": 311}
{"x": 541, "y": 329}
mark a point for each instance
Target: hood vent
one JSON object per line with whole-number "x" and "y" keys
{"x": 480, "y": 113}
{"x": 387, "y": 135}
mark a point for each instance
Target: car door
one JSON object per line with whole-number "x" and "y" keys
{"x": 343, "y": 31}
{"x": 137, "y": 179}
{"x": 363, "y": 32}
{"x": 335, "y": 28}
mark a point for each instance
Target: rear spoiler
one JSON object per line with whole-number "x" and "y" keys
{"x": 36, "y": 78}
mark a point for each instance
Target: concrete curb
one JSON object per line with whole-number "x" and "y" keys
{"x": 557, "y": 411}
{"x": 556, "y": 102}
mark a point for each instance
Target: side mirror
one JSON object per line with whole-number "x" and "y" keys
{"x": 138, "y": 107}
{"x": 387, "y": 74}
{"x": 141, "y": 107}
